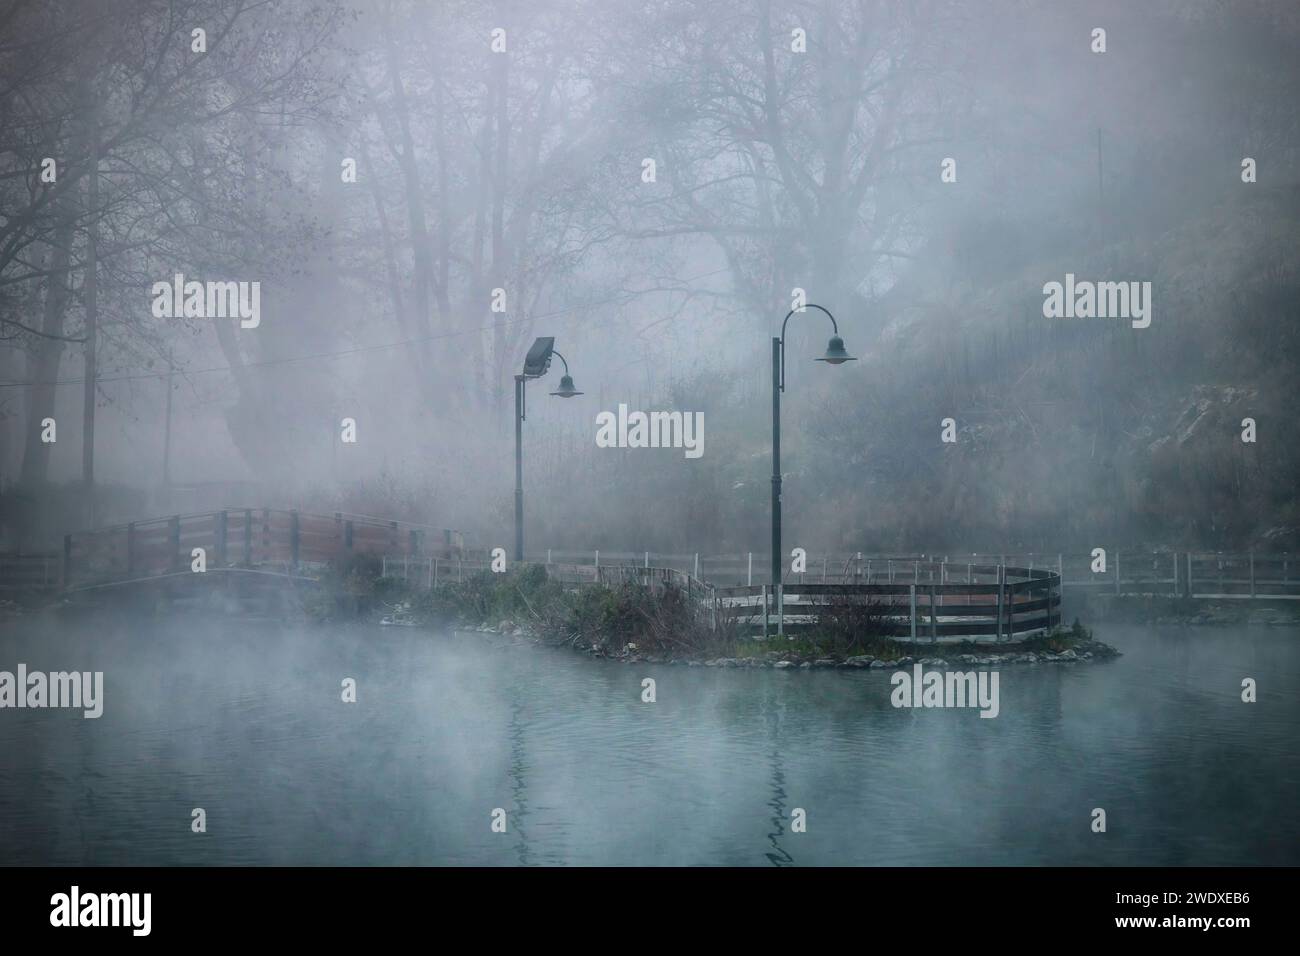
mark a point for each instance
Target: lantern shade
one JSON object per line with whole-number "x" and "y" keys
{"x": 836, "y": 353}
{"x": 566, "y": 389}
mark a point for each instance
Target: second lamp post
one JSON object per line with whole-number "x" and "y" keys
{"x": 835, "y": 355}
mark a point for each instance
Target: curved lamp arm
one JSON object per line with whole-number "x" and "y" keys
{"x": 562, "y": 359}
{"x": 809, "y": 305}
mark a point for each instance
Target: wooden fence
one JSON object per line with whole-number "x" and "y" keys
{"x": 940, "y": 602}
{"x": 982, "y": 601}
{"x": 1196, "y": 574}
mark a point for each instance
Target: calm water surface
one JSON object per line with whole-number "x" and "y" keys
{"x": 245, "y": 720}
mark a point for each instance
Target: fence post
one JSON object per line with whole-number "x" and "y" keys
{"x": 934, "y": 618}
{"x": 911, "y": 589}
{"x": 1010, "y": 604}
{"x": 824, "y": 562}
{"x": 1001, "y": 574}
{"x": 1189, "y": 574}
{"x": 749, "y": 578}
{"x": 548, "y": 555}
{"x": 598, "y": 564}
{"x": 890, "y": 564}
{"x": 647, "y": 560}
{"x": 1060, "y": 573}
{"x": 435, "y": 574}
{"x": 1252, "y": 574}
{"x": 294, "y": 539}
{"x": 222, "y": 528}
{"x": 765, "y": 610}
{"x": 697, "y": 565}
{"x": 780, "y": 610}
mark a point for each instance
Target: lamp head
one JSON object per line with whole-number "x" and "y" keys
{"x": 566, "y": 389}
{"x": 836, "y": 353}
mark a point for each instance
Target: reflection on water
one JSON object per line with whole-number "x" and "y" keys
{"x": 246, "y": 721}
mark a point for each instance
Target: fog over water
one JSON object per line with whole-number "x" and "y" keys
{"x": 1039, "y": 264}
{"x": 247, "y": 723}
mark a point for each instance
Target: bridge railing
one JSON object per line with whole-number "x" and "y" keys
{"x": 240, "y": 537}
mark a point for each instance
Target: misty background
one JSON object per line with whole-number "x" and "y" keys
{"x": 523, "y": 170}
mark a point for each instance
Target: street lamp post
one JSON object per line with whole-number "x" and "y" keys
{"x": 536, "y": 363}
{"x": 835, "y": 355}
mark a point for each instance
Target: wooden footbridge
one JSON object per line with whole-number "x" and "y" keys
{"x": 287, "y": 543}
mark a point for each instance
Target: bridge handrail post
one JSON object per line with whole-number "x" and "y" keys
{"x": 174, "y": 533}
{"x": 222, "y": 518}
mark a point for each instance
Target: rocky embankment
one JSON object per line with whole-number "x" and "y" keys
{"x": 1085, "y": 650}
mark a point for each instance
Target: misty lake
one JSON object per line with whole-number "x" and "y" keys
{"x": 246, "y": 721}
